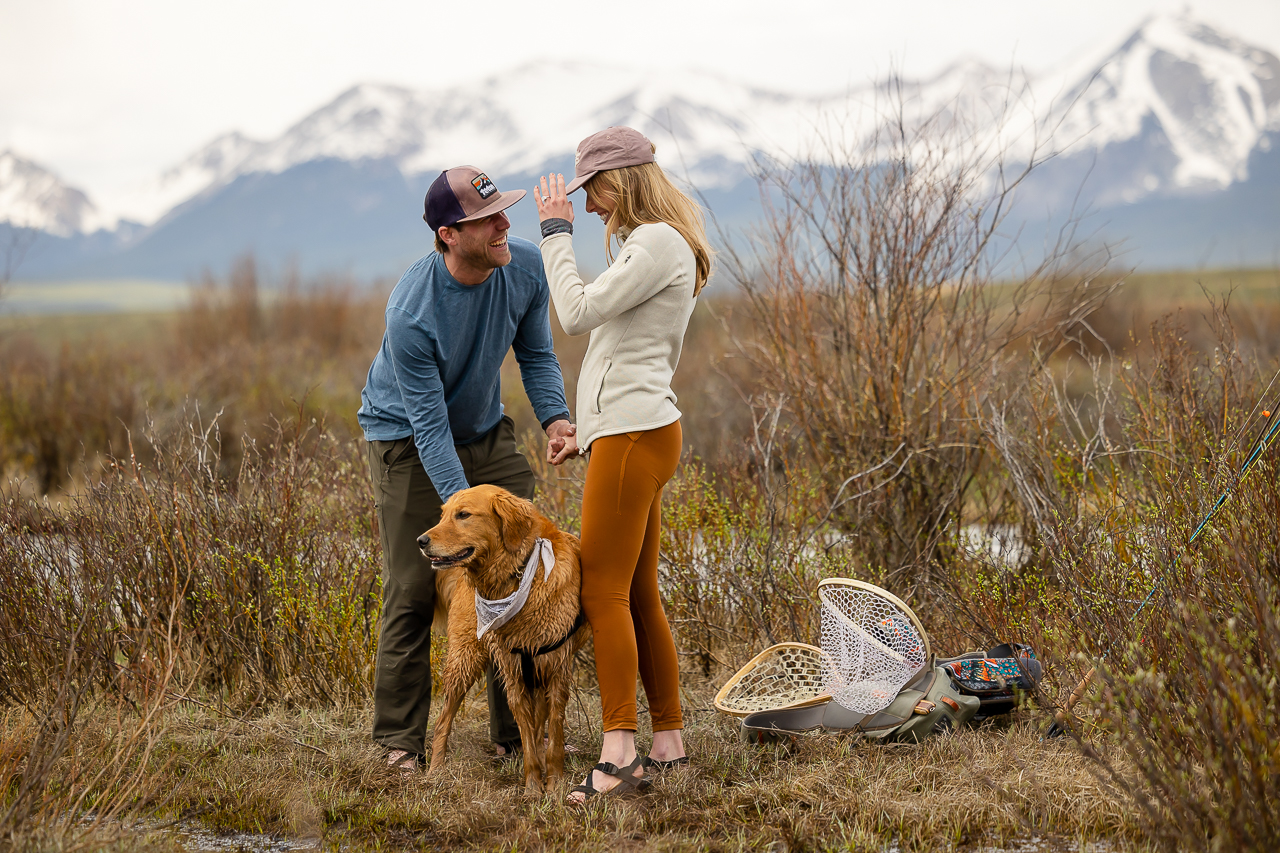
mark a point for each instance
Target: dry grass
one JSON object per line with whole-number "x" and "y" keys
{"x": 314, "y": 775}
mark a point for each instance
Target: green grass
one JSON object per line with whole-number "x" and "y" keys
{"x": 92, "y": 296}
{"x": 50, "y": 332}
{"x": 1255, "y": 286}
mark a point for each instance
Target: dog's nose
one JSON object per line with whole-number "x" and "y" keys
{"x": 424, "y": 541}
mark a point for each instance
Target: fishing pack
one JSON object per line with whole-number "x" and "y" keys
{"x": 995, "y": 677}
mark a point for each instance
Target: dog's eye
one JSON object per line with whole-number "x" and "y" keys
{"x": 462, "y": 513}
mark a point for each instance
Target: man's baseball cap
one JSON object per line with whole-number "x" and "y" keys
{"x": 611, "y": 148}
{"x": 462, "y": 194}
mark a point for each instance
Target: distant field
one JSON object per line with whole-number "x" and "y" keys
{"x": 90, "y": 297}
{"x": 54, "y": 312}
{"x": 50, "y": 331}
{"x": 1180, "y": 288}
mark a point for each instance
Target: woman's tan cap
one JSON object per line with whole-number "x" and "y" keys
{"x": 611, "y": 148}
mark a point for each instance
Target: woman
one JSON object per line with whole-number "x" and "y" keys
{"x": 637, "y": 313}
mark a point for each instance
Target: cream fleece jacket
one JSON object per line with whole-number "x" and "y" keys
{"x": 637, "y": 312}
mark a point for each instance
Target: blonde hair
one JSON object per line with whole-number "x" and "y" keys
{"x": 644, "y": 195}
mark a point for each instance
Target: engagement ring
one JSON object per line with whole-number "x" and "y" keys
{"x": 546, "y": 198}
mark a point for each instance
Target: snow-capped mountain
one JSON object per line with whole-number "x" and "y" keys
{"x": 1176, "y": 117}
{"x": 207, "y": 169}
{"x": 1201, "y": 102}
{"x": 510, "y": 123}
{"x": 33, "y": 197}
{"x": 1211, "y": 95}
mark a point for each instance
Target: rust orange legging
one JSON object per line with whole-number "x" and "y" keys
{"x": 620, "y": 510}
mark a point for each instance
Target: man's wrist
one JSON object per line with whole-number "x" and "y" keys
{"x": 554, "y": 419}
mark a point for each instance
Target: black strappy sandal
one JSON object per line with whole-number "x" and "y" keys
{"x": 628, "y": 782}
{"x": 661, "y": 766}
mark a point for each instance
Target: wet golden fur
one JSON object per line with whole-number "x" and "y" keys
{"x": 482, "y": 542}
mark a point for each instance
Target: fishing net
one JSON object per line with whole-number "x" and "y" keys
{"x": 788, "y": 675}
{"x": 872, "y": 644}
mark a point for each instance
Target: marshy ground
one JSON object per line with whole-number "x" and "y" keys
{"x": 312, "y": 779}
{"x": 189, "y": 578}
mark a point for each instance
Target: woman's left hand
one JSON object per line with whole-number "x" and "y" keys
{"x": 552, "y": 201}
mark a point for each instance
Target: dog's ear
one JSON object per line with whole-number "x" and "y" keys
{"x": 516, "y": 518}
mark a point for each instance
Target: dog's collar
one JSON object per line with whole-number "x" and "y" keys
{"x": 496, "y": 613}
{"x": 537, "y": 544}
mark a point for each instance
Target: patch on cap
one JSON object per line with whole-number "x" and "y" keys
{"x": 483, "y": 185}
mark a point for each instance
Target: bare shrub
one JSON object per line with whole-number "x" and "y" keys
{"x": 164, "y": 582}
{"x": 56, "y": 409}
{"x": 739, "y": 572}
{"x": 1183, "y": 638}
{"x": 889, "y": 315}
{"x": 274, "y": 570}
{"x": 238, "y": 347}
{"x": 62, "y": 660}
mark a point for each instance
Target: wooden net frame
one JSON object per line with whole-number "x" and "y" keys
{"x": 836, "y": 583}
{"x": 788, "y": 675}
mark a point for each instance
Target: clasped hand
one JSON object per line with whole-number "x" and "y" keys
{"x": 563, "y": 442}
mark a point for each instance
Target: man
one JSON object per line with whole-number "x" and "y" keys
{"x": 431, "y": 411}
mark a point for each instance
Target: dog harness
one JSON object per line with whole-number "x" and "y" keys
{"x": 528, "y": 673}
{"x": 495, "y": 614}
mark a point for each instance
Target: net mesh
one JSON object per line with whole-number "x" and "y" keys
{"x": 870, "y": 648}
{"x": 784, "y": 675}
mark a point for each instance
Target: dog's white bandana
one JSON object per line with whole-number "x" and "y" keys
{"x": 495, "y": 614}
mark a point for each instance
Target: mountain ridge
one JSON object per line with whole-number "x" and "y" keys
{"x": 1177, "y": 109}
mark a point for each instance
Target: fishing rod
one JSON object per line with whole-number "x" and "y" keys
{"x": 1270, "y": 428}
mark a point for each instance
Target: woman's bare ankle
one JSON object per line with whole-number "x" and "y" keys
{"x": 619, "y": 747}
{"x": 667, "y": 745}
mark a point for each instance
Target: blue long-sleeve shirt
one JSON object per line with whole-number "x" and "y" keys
{"x": 437, "y": 375}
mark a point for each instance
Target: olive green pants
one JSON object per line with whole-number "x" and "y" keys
{"x": 408, "y": 506}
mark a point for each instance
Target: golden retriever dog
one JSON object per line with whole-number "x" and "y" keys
{"x": 482, "y": 544}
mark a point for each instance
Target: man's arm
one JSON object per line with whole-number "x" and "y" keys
{"x": 541, "y": 376}
{"x": 418, "y": 375}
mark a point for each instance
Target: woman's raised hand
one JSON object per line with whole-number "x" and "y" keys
{"x": 552, "y": 201}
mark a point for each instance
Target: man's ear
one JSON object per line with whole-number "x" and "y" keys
{"x": 448, "y": 235}
{"x": 515, "y": 515}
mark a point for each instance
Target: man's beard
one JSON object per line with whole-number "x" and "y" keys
{"x": 481, "y": 256}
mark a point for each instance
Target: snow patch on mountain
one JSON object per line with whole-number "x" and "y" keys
{"x": 208, "y": 169}
{"x": 1211, "y": 95}
{"x": 522, "y": 120}
{"x": 33, "y": 197}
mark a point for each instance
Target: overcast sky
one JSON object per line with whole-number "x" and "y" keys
{"x": 108, "y": 92}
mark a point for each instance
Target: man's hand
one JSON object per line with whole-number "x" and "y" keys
{"x": 563, "y": 442}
